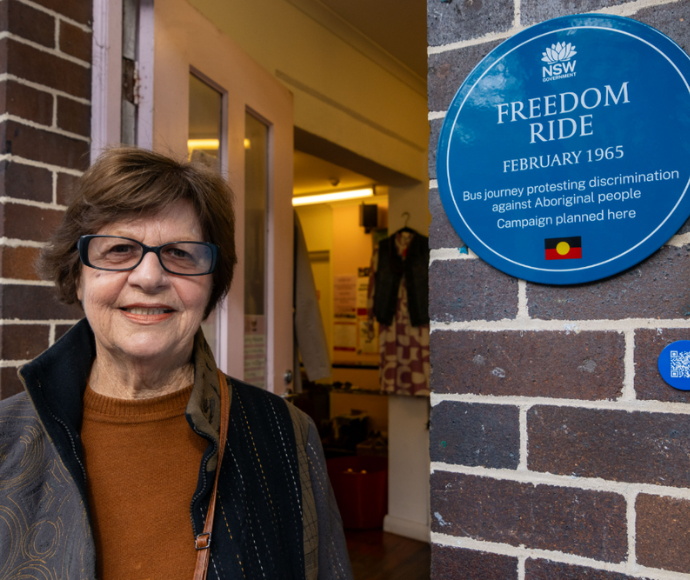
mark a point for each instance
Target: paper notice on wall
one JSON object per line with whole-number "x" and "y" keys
{"x": 345, "y": 333}
{"x": 255, "y": 350}
{"x": 367, "y": 337}
{"x": 345, "y": 294}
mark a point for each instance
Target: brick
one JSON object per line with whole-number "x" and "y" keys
{"x": 613, "y": 445}
{"x": 533, "y": 11}
{"x": 66, "y": 185}
{"x": 461, "y": 290}
{"x": 546, "y": 570}
{"x": 25, "y": 182}
{"x": 663, "y": 532}
{"x": 441, "y": 232}
{"x": 26, "y": 222}
{"x": 9, "y": 382}
{"x": 61, "y": 329}
{"x": 521, "y": 363}
{"x": 460, "y": 564}
{"x": 475, "y": 434}
{"x": 75, "y": 41}
{"x": 448, "y": 70}
{"x": 73, "y": 116}
{"x": 23, "y": 341}
{"x": 434, "y": 132}
{"x": 44, "y": 146}
{"x": 26, "y": 102}
{"x": 27, "y": 22}
{"x": 40, "y": 67}
{"x": 655, "y": 288}
{"x": 18, "y": 263}
{"x": 79, "y": 10}
{"x": 649, "y": 385}
{"x": 34, "y": 303}
{"x": 582, "y": 522}
{"x": 465, "y": 19}
{"x": 671, "y": 19}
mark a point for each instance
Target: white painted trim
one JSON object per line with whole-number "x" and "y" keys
{"x": 559, "y": 557}
{"x": 407, "y": 528}
{"x": 341, "y": 28}
{"x": 106, "y": 80}
{"x": 145, "y": 67}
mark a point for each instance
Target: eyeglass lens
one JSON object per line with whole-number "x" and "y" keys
{"x": 113, "y": 253}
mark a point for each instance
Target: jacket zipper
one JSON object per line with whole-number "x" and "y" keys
{"x": 203, "y": 476}
{"x": 62, "y": 423}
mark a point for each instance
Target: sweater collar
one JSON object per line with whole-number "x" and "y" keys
{"x": 55, "y": 382}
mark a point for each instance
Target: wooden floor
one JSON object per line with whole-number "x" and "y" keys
{"x": 376, "y": 555}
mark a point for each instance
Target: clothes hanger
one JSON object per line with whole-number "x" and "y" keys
{"x": 405, "y": 228}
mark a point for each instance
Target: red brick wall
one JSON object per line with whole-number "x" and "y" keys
{"x": 45, "y": 91}
{"x": 557, "y": 450}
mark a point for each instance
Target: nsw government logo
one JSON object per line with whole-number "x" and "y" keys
{"x": 559, "y": 64}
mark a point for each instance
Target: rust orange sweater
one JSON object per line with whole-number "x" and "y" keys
{"x": 142, "y": 464}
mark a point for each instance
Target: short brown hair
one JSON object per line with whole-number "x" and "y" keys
{"x": 125, "y": 182}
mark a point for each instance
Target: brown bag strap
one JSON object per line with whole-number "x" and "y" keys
{"x": 203, "y": 541}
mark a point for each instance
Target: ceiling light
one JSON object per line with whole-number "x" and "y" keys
{"x": 203, "y": 144}
{"x": 333, "y": 196}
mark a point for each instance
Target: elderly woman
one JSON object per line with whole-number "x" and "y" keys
{"x": 109, "y": 460}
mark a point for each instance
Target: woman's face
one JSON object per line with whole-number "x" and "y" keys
{"x": 147, "y": 315}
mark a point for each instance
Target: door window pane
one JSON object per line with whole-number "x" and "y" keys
{"x": 203, "y": 144}
{"x": 255, "y": 200}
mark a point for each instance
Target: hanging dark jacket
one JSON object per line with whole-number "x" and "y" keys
{"x": 389, "y": 273}
{"x": 282, "y": 520}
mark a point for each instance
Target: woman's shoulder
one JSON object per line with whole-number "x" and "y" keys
{"x": 300, "y": 420}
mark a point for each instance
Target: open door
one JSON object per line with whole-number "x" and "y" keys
{"x": 211, "y": 101}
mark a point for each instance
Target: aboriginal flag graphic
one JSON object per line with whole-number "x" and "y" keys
{"x": 563, "y": 248}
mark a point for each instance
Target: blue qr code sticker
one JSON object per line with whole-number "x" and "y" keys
{"x": 680, "y": 364}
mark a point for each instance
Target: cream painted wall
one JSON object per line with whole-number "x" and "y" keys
{"x": 339, "y": 93}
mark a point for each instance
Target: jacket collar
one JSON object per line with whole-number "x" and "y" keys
{"x": 56, "y": 380}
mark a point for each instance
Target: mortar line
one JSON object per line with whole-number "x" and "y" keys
{"x": 631, "y": 499}
{"x": 52, "y": 51}
{"x": 522, "y": 466}
{"x": 521, "y": 567}
{"x": 19, "y": 322}
{"x": 621, "y": 10}
{"x": 517, "y": 14}
{"x": 569, "y": 326}
{"x": 553, "y": 480}
{"x": 523, "y": 310}
{"x": 53, "y": 128}
{"x": 20, "y": 282}
{"x": 40, "y": 164}
{"x": 43, "y": 88}
{"x": 51, "y": 334}
{"x": 628, "y": 393}
{"x": 634, "y": 406}
{"x": 554, "y": 556}
{"x": 56, "y": 15}
{"x": 14, "y": 243}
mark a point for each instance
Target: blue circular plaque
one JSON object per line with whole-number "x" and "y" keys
{"x": 565, "y": 155}
{"x": 674, "y": 364}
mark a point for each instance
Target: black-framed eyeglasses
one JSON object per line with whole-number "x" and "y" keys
{"x": 118, "y": 254}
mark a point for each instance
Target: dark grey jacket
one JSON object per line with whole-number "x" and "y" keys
{"x": 45, "y": 528}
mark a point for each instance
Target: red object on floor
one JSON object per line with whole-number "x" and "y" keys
{"x": 360, "y": 485}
